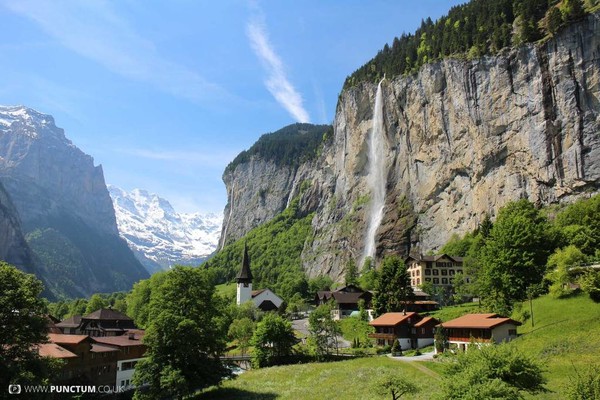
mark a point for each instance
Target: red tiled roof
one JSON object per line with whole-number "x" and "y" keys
{"x": 102, "y": 348}
{"x": 120, "y": 341}
{"x": 481, "y": 321}
{"x": 392, "y": 319}
{"x": 53, "y": 350}
{"x": 424, "y": 321}
{"x": 66, "y": 339}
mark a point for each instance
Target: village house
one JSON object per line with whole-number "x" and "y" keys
{"x": 130, "y": 350}
{"x": 411, "y": 330}
{"x": 263, "y": 299}
{"x": 439, "y": 270}
{"x": 479, "y": 329}
{"x": 345, "y": 300}
{"x": 102, "y": 322}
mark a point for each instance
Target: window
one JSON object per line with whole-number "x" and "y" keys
{"x": 422, "y": 331}
{"x": 427, "y": 279}
{"x": 451, "y": 272}
{"x": 429, "y": 264}
{"x": 444, "y": 281}
{"x": 459, "y": 271}
{"x": 436, "y": 272}
{"x": 444, "y": 272}
{"x": 418, "y": 281}
{"x": 427, "y": 272}
{"x": 436, "y": 281}
{"x": 512, "y": 332}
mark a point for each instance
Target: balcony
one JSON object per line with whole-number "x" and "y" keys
{"x": 382, "y": 336}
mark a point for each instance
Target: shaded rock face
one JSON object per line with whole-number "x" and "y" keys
{"x": 64, "y": 207}
{"x": 464, "y": 138}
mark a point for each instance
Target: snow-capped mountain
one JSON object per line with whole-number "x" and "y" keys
{"x": 158, "y": 235}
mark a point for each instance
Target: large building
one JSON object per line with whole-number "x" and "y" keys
{"x": 411, "y": 330}
{"x": 439, "y": 270}
{"x": 103, "y": 322}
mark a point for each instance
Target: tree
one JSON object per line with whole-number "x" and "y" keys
{"x": 323, "y": 331}
{"x": 559, "y": 263}
{"x": 393, "y": 289}
{"x": 242, "y": 331}
{"x": 392, "y": 384}
{"x": 22, "y": 326}
{"x": 319, "y": 283}
{"x": 273, "y": 340}
{"x": 571, "y": 10}
{"x": 96, "y": 302}
{"x": 590, "y": 283}
{"x": 553, "y": 20}
{"x": 185, "y": 337}
{"x": 138, "y": 300}
{"x": 351, "y": 273}
{"x": 368, "y": 277}
{"x": 514, "y": 256}
{"x": 492, "y": 372}
{"x": 440, "y": 339}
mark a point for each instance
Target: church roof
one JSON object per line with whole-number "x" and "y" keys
{"x": 245, "y": 274}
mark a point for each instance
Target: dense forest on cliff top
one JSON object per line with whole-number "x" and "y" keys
{"x": 472, "y": 30}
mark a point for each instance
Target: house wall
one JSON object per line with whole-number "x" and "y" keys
{"x": 500, "y": 333}
{"x": 125, "y": 373}
{"x": 244, "y": 293}
{"x": 424, "y": 342}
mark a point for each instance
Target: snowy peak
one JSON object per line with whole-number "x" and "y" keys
{"x": 29, "y": 122}
{"x": 158, "y": 234}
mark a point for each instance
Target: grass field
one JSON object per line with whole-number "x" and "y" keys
{"x": 565, "y": 338}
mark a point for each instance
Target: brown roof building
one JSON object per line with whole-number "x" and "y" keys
{"x": 479, "y": 329}
{"x": 345, "y": 300}
{"x": 103, "y": 322}
{"x": 411, "y": 330}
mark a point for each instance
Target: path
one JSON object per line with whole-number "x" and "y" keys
{"x": 424, "y": 357}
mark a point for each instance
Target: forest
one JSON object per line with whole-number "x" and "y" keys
{"x": 471, "y": 30}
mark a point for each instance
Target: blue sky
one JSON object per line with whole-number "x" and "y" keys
{"x": 164, "y": 94}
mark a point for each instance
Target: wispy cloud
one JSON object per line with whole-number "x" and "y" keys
{"x": 277, "y": 82}
{"x": 93, "y": 29}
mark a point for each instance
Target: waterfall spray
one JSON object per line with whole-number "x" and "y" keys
{"x": 376, "y": 174}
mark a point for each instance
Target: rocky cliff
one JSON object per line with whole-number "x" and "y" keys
{"x": 462, "y": 139}
{"x": 64, "y": 207}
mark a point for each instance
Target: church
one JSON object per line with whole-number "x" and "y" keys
{"x": 263, "y": 299}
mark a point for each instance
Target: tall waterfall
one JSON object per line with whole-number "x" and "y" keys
{"x": 377, "y": 174}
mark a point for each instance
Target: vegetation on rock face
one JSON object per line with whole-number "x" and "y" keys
{"x": 274, "y": 249}
{"x": 470, "y": 30}
{"x": 291, "y": 145}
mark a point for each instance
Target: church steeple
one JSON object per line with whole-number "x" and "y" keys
{"x": 244, "y": 279}
{"x": 245, "y": 275}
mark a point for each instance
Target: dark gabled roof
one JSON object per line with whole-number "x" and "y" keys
{"x": 245, "y": 275}
{"x": 71, "y": 322}
{"x": 350, "y": 289}
{"x": 349, "y": 298}
{"x": 434, "y": 258}
{"x": 107, "y": 314}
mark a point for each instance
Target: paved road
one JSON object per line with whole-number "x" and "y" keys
{"x": 422, "y": 357}
{"x": 301, "y": 325}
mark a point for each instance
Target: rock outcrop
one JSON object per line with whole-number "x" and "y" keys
{"x": 464, "y": 138}
{"x": 64, "y": 207}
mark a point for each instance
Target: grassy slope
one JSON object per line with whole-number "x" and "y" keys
{"x": 337, "y": 380}
{"x": 565, "y": 336}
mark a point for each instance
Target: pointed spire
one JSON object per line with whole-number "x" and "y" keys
{"x": 245, "y": 275}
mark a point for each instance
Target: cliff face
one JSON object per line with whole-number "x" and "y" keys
{"x": 64, "y": 207}
{"x": 463, "y": 138}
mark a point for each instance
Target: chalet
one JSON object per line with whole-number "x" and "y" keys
{"x": 439, "y": 270}
{"x": 479, "y": 329}
{"x": 345, "y": 300}
{"x": 411, "y": 330}
{"x": 103, "y": 322}
{"x": 263, "y": 299}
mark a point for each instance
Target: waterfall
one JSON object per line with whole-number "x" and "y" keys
{"x": 376, "y": 175}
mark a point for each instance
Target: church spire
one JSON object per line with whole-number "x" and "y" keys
{"x": 245, "y": 275}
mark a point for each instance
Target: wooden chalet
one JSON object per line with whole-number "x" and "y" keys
{"x": 479, "y": 329}
{"x": 411, "y": 330}
{"x": 345, "y": 300}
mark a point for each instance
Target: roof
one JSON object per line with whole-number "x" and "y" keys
{"x": 53, "y": 350}
{"x": 392, "y": 318}
{"x": 425, "y": 320}
{"x": 245, "y": 274}
{"x": 120, "y": 341}
{"x": 61, "y": 338}
{"x": 435, "y": 257}
{"x": 102, "y": 348}
{"x": 481, "y": 321}
{"x": 257, "y": 292}
{"x": 347, "y": 297}
{"x": 71, "y": 322}
{"x": 107, "y": 314}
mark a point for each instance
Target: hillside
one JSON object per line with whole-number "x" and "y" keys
{"x": 63, "y": 206}
{"x": 565, "y": 340}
